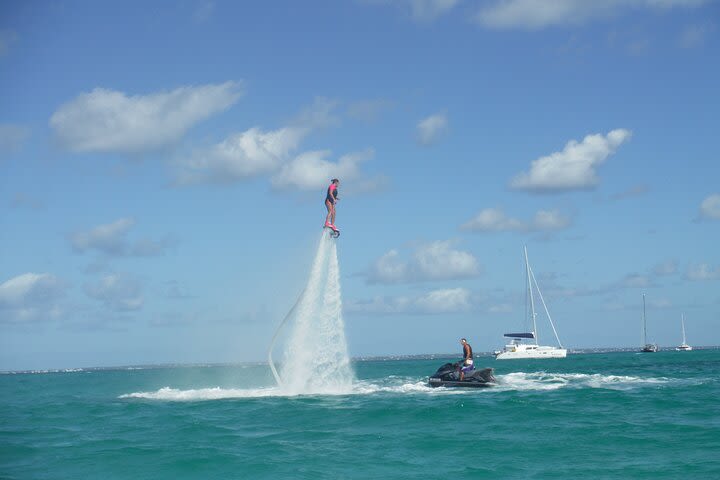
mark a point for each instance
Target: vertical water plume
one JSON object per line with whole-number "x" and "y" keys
{"x": 315, "y": 359}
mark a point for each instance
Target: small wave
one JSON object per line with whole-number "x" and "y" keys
{"x": 215, "y": 393}
{"x": 554, "y": 381}
{"x": 44, "y": 372}
{"x": 402, "y": 386}
{"x": 518, "y": 381}
{"x": 218, "y": 393}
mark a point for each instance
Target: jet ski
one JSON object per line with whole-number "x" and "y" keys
{"x": 449, "y": 376}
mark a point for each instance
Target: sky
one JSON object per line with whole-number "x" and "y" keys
{"x": 163, "y": 168}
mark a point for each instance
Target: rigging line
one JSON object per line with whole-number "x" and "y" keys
{"x": 546, "y": 309}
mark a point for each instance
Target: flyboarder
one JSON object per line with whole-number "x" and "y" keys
{"x": 331, "y": 199}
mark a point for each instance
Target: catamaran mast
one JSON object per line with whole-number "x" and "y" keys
{"x": 532, "y": 301}
{"x": 682, "y": 316}
{"x": 644, "y": 323}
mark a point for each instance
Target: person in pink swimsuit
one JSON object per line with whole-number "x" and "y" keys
{"x": 331, "y": 200}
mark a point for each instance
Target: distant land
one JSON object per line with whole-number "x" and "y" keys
{"x": 360, "y": 358}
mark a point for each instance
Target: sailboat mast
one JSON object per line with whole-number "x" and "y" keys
{"x": 644, "y": 323}
{"x": 683, "y": 327}
{"x": 532, "y": 300}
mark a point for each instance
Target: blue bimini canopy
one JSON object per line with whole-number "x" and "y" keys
{"x": 520, "y": 335}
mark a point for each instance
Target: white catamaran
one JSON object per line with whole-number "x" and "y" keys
{"x": 684, "y": 347}
{"x": 647, "y": 347}
{"x": 516, "y": 348}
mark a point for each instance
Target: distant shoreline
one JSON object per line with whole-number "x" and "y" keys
{"x": 360, "y": 358}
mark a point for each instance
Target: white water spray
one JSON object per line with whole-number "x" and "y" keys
{"x": 316, "y": 358}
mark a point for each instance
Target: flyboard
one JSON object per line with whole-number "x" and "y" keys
{"x": 334, "y": 231}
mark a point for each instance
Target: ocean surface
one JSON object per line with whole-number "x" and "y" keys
{"x": 592, "y": 415}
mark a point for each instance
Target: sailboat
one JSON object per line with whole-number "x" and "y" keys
{"x": 516, "y": 348}
{"x": 648, "y": 347}
{"x": 684, "y": 347}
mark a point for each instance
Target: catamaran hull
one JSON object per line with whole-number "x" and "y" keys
{"x": 534, "y": 353}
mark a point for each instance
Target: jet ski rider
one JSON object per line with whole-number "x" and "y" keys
{"x": 467, "y": 361}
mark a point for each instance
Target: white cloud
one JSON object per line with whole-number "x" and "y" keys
{"x": 668, "y": 267}
{"x": 389, "y": 268}
{"x": 495, "y": 220}
{"x": 12, "y": 137}
{"x": 452, "y": 300}
{"x": 659, "y": 303}
{"x": 635, "y": 280}
{"x": 695, "y": 35}
{"x": 311, "y": 170}
{"x": 574, "y": 167}
{"x": 420, "y": 10}
{"x": 549, "y": 220}
{"x": 111, "y": 240}
{"x": 242, "y": 155}
{"x": 710, "y": 207}
{"x": 634, "y": 191}
{"x": 538, "y": 14}
{"x": 321, "y": 114}
{"x": 24, "y": 200}
{"x": 368, "y": 110}
{"x": 439, "y": 261}
{"x": 431, "y": 128}
{"x": 31, "y": 297}
{"x": 444, "y": 301}
{"x": 672, "y": 3}
{"x": 702, "y": 271}
{"x": 7, "y": 38}
{"x": 501, "y": 308}
{"x": 425, "y": 10}
{"x": 433, "y": 261}
{"x": 204, "y": 11}
{"x": 256, "y": 152}
{"x": 117, "y": 292}
{"x": 110, "y": 121}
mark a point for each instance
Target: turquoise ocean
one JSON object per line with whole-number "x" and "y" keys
{"x": 591, "y": 415}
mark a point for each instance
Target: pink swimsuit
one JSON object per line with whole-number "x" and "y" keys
{"x": 331, "y": 194}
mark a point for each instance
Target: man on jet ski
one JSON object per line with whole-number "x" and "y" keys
{"x": 467, "y": 361}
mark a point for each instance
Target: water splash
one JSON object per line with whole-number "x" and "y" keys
{"x": 411, "y": 385}
{"x": 555, "y": 381}
{"x": 315, "y": 359}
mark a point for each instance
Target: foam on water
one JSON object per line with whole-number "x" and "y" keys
{"x": 217, "y": 393}
{"x": 199, "y": 394}
{"x": 554, "y": 381}
{"x": 518, "y": 381}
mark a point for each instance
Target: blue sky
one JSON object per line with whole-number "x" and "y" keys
{"x": 163, "y": 167}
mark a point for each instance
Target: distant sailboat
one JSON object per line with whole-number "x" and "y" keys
{"x": 516, "y": 349}
{"x": 648, "y": 347}
{"x": 684, "y": 347}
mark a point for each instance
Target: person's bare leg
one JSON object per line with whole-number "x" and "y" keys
{"x": 329, "y": 209}
{"x": 332, "y": 214}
